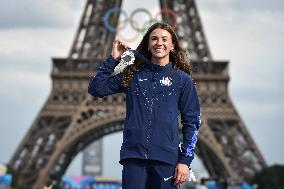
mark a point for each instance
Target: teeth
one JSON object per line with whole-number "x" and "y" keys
{"x": 159, "y": 50}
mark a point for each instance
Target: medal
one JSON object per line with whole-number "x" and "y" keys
{"x": 127, "y": 58}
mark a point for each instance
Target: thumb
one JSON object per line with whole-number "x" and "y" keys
{"x": 176, "y": 170}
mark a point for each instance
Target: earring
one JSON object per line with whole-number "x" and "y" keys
{"x": 172, "y": 50}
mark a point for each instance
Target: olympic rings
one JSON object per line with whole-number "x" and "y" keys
{"x": 132, "y": 16}
{"x": 108, "y": 14}
{"x": 171, "y": 12}
{"x": 131, "y": 39}
{"x": 134, "y": 24}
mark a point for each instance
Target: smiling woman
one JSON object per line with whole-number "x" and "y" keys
{"x": 158, "y": 85}
{"x": 160, "y": 45}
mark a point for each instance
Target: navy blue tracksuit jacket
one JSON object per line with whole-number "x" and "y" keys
{"x": 154, "y": 99}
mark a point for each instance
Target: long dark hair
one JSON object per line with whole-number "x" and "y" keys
{"x": 178, "y": 56}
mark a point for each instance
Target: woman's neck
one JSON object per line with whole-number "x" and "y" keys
{"x": 160, "y": 61}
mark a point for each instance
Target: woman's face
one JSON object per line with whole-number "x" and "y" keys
{"x": 160, "y": 44}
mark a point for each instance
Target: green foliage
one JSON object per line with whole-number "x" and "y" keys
{"x": 270, "y": 178}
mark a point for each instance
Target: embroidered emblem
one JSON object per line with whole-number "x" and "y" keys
{"x": 166, "y": 81}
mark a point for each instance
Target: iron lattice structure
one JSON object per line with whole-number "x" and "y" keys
{"x": 71, "y": 119}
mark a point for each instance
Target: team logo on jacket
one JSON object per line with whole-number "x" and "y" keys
{"x": 166, "y": 81}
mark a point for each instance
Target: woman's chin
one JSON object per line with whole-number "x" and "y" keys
{"x": 159, "y": 55}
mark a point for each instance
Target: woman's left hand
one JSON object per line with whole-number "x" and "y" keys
{"x": 181, "y": 174}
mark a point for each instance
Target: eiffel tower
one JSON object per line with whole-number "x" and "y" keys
{"x": 71, "y": 119}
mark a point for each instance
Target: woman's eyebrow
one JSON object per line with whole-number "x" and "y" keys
{"x": 157, "y": 36}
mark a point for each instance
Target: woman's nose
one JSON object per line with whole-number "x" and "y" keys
{"x": 159, "y": 42}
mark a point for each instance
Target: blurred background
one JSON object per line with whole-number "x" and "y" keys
{"x": 249, "y": 34}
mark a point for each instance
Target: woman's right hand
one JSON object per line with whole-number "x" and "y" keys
{"x": 118, "y": 47}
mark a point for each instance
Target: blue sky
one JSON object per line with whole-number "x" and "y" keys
{"x": 249, "y": 34}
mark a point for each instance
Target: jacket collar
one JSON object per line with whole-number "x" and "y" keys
{"x": 156, "y": 67}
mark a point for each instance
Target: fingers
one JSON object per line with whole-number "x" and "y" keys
{"x": 179, "y": 181}
{"x": 180, "y": 176}
{"x": 175, "y": 176}
{"x": 119, "y": 43}
{"x": 118, "y": 47}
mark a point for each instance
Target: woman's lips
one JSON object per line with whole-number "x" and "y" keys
{"x": 159, "y": 50}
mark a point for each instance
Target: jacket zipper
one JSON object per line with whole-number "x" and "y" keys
{"x": 151, "y": 114}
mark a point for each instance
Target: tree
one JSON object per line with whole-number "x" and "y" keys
{"x": 270, "y": 178}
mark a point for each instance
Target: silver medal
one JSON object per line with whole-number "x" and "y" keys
{"x": 127, "y": 58}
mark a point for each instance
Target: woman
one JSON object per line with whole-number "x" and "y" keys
{"x": 156, "y": 92}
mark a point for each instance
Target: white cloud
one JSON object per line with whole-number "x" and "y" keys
{"x": 241, "y": 6}
{"x": 251, "y": 41}
{"x": 36, "y": 41}
{"x": 16, "y": 84}
{"x": 37, "y": 14}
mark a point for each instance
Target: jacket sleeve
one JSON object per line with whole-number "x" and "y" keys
{"x": 103, "y": 83}
{"x": 190, "y": 119}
